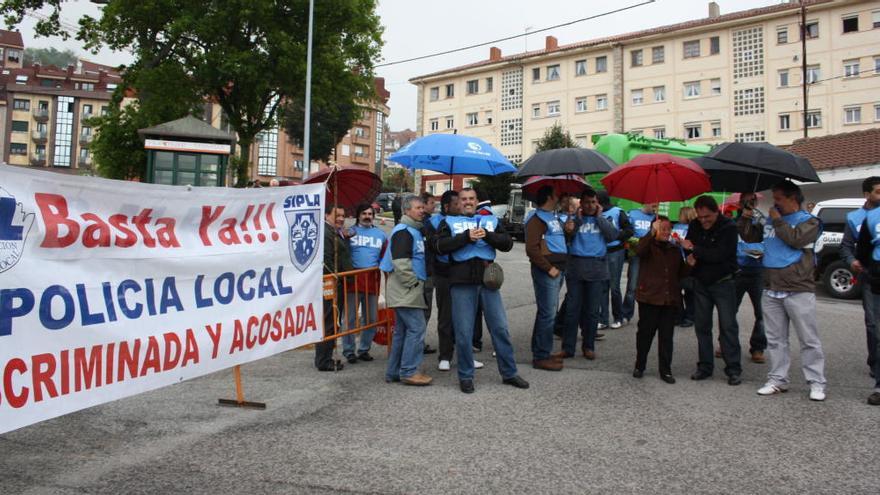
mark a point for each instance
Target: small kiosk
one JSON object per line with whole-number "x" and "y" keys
{"x": 187, "y": 151}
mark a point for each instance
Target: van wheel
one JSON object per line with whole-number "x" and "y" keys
{"x": 838, "y": 280}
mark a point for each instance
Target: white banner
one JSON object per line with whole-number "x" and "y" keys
{"x": 111, "y": 288}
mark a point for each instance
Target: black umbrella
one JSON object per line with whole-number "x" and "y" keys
{"x": 766, "y": 157}
{"x": 730, "y": 177}
{"x": 577, "y": 161}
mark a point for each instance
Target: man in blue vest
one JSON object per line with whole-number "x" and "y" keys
{"x": 404, "y": 260}
{"x": 471, "y": 241}
{"x": 854, "y": 221}
{"x": 868, "y": 255}
{"x": 790, "y": 292}
{"x": 548, "y": 253}
{"x": 750, "y": 277}
{"x": 641, "y": 221}
{"x": 616, "y": 256}
{"x": 367, "y": 244}
{"x": 586, "y": 274}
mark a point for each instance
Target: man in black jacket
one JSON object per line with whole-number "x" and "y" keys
{"x": 712, "y": 240}
{"x": 337, "y": 259}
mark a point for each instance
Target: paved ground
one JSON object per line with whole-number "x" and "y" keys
{"x": 590, "y": 428}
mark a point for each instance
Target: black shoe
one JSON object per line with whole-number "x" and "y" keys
{"x": 395, "y": 379}
{"x": 700, "y": 375}
{"x": 600, "y": 336}
{"x": 874, "y": 399}
{"x": 478, "y": 348}
{"x": 466, "y": 386}
{"x": 686, "y": 324}
{"x": 351, "y": 359}
{"x": 637, "y": 373}
{"x": 516, "y": 381}
{"x": 334, "y": 366}
{"x": 429, "y": 349}
{"x": 734, "y": 380}
{"x": 365, "y": 356}
{"x": 667, "y": 378}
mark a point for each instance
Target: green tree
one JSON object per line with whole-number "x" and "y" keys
{"x": 496, "y": 186}
{"x": 397, "y": 180}
{"x": 554, "y": 138}
{"x": 331, "y": 119}
{"x": 49, "y": 56}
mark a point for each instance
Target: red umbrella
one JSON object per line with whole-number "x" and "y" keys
{"x": 562, "y": 184}
{"x": 354, "y": 185}
{"x": 657, "y": 177}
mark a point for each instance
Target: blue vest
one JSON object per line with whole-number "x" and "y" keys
{"x": 681, "y": 229}
{"x": 435, "y": 222}
{"x": 778, "y": 254}
{"x": 366, "y": 246}
{"x": 743, "y": 258}
{"x": 613, "y": 216}
{"x": 554, "y": 236}
{"x": 873, "y": 219}
{"x": 588, "y": 241}
{"x": 855, "y": 219}
{"x": 641, "y": 222}
{"x": 418, "y": 252}
{"x": 480, "y": 249}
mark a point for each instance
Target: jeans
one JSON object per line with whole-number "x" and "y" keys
{"x": 628, "y": 309}
{"x": 874, "y": 307}
{"x": 612, "y": 287}
{"x": 655, "y": 319}
{"x": 721, "y": 295}
{"x": 408, "y": 345}
{"x": 465, "y": 298}
{"x": 797, "y": 310}
{"x": 546, "y": 299}
{"x": 369, "y": 304}
{"x": 582, "y": 310}
{"x": 751, "y": 281}
{"x": 445, "y": 336}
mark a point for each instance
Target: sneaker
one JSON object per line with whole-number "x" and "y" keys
{"x": 874, "y": 399}
{"x": 444, "y": 365}
{"x": 418, "y": 380}
{"x": 478, "y": 365}
{"x": 602, "y": 326}
{"x": 770, "y": 389}
{"x": 817, "y": 393}
{"x": 615, "y": 325}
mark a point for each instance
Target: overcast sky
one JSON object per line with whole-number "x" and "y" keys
{"x": 420, "y": 27}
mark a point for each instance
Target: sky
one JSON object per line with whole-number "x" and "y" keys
{"x": 420, "y": 27}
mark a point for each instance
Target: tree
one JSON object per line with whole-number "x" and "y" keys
{"x": 49, "y": 56}
{"x": 331, "y": 119}
{"x": 497, "y": 187}
{"x": 554, "y": 138}
{"x": 397, "y": 180}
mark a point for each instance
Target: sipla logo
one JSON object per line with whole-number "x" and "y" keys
{"x": 304, "y": 242}
{"x": 474, "y": 146}
{"x": 15, "y": 224}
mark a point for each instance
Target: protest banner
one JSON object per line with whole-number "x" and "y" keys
{"x": 111, "y": 288}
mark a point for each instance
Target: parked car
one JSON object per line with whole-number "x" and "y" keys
{"x": 513, "y": 216}
{"x": 384, "y": 200}
{"x": 832, "y": 272}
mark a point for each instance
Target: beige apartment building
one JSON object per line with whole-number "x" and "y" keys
{"x": 728, "y": 77}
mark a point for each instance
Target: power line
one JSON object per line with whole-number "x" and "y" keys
{"x": 596, "y": 16}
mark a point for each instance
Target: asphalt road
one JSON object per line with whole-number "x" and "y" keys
{"x": 589, "y": 428}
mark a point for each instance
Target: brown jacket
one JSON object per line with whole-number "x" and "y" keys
{"x": 661, "y": 268}
{"x": 536, "y": 247}
{"x": 797, "y": 277}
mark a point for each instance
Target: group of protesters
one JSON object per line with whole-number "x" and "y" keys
{"x": 680, "y": 273}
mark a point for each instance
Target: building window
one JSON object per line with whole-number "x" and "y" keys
{"x": 553, "y": 72}
{"x": 748, "y": 101}
{"x": 360, "y": 132}
{"x": 716, "y": 129}
{"x": 346, "y": 150}
{"x": 380, "y": 138}
{"x": 601, "y": 64}
{"x": 813, "y": 74}
{"x": 812, "y": 30}
{"x": 435, "y": 124}
{"x": 748, "y": 52}
{"x": 814, "y": 119}
{"x": 659, "y": 93}
{"x": 660, "y": 133}
{"x": 691, "y": 49}
{"x": 783, "y": 78}
{"x": 473, "y": 87}
{"x": 511, "y": 132}
{"x": 105, "y": 111}
{"x": 693, "y": 131}
{"x": 84, "y": 86}
{"x": 63, "y": 131}
{"x": 267, "y": 152}
{"x": 19, "y": 126}
{"x": 602, "y": 102}
{"x": 24, "y": 105}
{"x": 580, "y": 67}
{"x": 359, "y": 151}
{"x": 658, "y": 55}
{"x": 714, "y": 45}
{"x": 13, "y": 56}
{"x": 877, "y": 112}
{"x": 450, "y": 122}
{"x": 851, "y": 68}
{"x": 692, "y": 89}
{"x": 852, "y": 115}
{"x": 580, "y": 104}
{"x": 298, "y": 164}
{"x": 875, "y": 19}
{"x": 782, "y": 35}
{"x": 638, "y": 96}
{"x": 450, "y": 90}
{"x": 17, "y": 149}
{"x": 48, "y": 83}
{"x": 749, "y": 137}
{"x": 635, "y": 57}
{"x": 488, "y": 117}
{"x": 851, "y": 23}
{"x": 536, "y": 74}
{"x": 536, "y": 111}
{"x": 715, "y": 86}
{"x": 472, "y": 119}
{"x": 876, "y": 65}
{"x": 784, "y": 122}
{"x": 511, "y": 89}
{"x": 553, "y": 108}
{"x": 435, "y": 93}
{"x": 489, "y": 82}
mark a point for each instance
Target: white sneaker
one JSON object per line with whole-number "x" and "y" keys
{"x": 443, "y": 366}
{"x": 615, "y": 325}
{"x": 817, "y": 393}
{"x": 602, "y": 326}
{"x": 478, "y": 365}
{"x": 769, "y": 389}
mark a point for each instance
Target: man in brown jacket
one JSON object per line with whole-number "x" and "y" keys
{"x": 661, "y": 266}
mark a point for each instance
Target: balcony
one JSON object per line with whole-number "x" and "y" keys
{"x": 360, "y": 158}
{"x": 86, "y": 116}
{"x": 39, "y": 137}
{"x": 38, "y": 159}
{"x": 85, "y": 139}
{"x": 41, "y": 114}
{"x": 360, "y": 139}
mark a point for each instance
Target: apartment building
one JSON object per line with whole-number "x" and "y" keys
{"x": 728, "y": 77}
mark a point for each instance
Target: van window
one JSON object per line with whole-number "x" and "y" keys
{"x": 834, "y": 219}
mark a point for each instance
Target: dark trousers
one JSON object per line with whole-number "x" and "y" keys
{"x": 686, "y": 308}
{"x": 751, "y": 281}
{"x": 559, "y": 325}
{"x": 324, "y": 350}
{"x": 583, "y": 311}
{"x": 720, "y": 295}
{"x": 478, "y": 327}
{"x": 445, "y": 332}
{"x": 654, "y": 319}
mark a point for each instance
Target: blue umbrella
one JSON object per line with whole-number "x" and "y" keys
{"x": 453, "y": 154}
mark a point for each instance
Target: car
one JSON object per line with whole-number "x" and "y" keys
{"x": 384, "y": 200}
{"x": 832, "y": 272}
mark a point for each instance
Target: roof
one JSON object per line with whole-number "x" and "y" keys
{"x": 849, "y": 149}
{"x": 11, "y": 38}
{"x": 187, "y": 127}
{"x": 670, "y": 28}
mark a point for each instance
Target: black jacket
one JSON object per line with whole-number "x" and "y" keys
{"x": 714, "y": 249}
{"x": 470, "y": 271}
{"x": 864, "y": 253}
